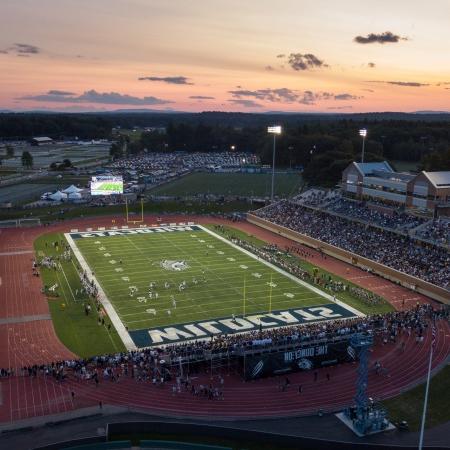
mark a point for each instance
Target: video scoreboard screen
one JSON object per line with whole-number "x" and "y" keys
{"x": 106, "y": 185}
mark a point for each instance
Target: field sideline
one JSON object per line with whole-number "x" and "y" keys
{"x": 222, "y": 280}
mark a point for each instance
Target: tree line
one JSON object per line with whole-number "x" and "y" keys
{"x": 322, "y": 150}
{"x": 321, "y": 144}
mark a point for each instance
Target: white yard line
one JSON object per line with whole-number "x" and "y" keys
{"x": 109, "y": 308}
{"x": 67, "y": 281}
{"x": 114, "y": 315}
{"x": 292, "y": 277}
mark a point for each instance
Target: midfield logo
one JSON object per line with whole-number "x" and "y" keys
{"x": 203, "y": 330}
{"x": 174, "y": 265}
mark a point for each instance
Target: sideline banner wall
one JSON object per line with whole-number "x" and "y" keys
{"x": 303, "y": 358}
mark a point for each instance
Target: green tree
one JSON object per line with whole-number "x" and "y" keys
{"x": 27, "y": 160}
{"x": 436, "y": 161}
{"x": 115, "y": 151}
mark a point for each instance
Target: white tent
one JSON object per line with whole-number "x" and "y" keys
{"x": 74, "y": 196}
{"x": 72, "y": 189}
{"x": 57, "y": 196}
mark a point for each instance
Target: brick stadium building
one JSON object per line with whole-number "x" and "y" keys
{"x": 377, "y": 180}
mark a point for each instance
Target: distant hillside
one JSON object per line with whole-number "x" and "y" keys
{"x": 99, "y": 124}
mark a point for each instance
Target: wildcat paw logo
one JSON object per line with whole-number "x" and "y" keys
{"x": 305, "y": 364}
{"x": 176, "y": 266}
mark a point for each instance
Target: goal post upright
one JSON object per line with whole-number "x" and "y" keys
{"x": 127, "y": 213}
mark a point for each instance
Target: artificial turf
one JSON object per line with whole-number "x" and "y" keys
{"x": 221, "y": 280}
{"x": 80, "y": 333}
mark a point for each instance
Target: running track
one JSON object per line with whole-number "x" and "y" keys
{"x": 28, "y": 337}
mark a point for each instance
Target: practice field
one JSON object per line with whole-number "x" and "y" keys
{"x": 243, "y": 184}
{"x": 133, "y": 267}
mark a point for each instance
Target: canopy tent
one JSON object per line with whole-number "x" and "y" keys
{"x": 74, "y": 196}
{"x": 58, "y": 196}
{"x": 72, "y": 189}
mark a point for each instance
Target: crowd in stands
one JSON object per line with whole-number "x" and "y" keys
{"x": 313, "y": 197}
{"x": 159, "y": 365}
{"x": 437, "y": 231}
{"x": 362, "y": 211}
{"x": 427, "y": 262}
{"x": 370, "y": 212}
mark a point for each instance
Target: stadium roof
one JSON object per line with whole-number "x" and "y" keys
{"x": 42, "y": 139}
{"x": 371, "y": 167}
{"x": 397, "y": 176}
{"x": 439, "y": 179}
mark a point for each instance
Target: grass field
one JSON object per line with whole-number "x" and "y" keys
{"x": 344, "y": 296}
{"x": 80, "y": 333}
{"x": 409, "y": 405}
{"x": 224, "y": 268}
{"x": 53, "y": 212}
{"x": 244, "y": 184}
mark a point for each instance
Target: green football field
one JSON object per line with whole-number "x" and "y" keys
{"x": 221, "y": 280}
{"x": 245, "y": 184}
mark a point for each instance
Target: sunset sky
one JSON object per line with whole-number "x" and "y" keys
{"x": 229, "y": 55}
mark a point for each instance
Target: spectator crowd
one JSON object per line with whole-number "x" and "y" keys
{"x": 437, "y": 231}
{"x": 427, "y": 262}
{"x": 362, "y": 211}
{"x": 160, "y": 365}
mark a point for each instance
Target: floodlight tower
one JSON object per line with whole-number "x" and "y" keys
{"x": 363, "y": 134}
{"x": 275, "y": 129}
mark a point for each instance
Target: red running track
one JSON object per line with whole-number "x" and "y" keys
{"x": 36, "y": 342}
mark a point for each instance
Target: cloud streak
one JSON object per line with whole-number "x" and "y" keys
{"x": 201, "y": 97}
{"x": 285, "y": 95}
{"x": 92, "y": 96}
{"x": 306, "y": 61}
{"x": 401, "y": 83}
{"x": 22, "y": 50}
{"x": 245, "y": 103}
{"x": 168, "y": 80}
{"x": 379, "y": 38}
{"x": 58, "y": 92}
{"x": 346, "y": 97}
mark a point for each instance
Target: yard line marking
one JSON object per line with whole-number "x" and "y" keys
{"x": 109, "y": 308}
{"x": 67, "y": 281}
{"x": 287, "y": 274}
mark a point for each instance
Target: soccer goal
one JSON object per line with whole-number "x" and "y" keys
{"x": 17, "y": 223}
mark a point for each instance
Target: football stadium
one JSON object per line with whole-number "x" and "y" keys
{"x": 224, "y": 227}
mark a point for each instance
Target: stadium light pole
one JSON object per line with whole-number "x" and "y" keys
{"x": 276, "y": 129}
{"x": 363, "y": 134}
